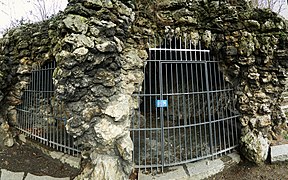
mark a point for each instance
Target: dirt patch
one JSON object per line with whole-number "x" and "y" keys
{"x": 25, "y": 158}
{"x": 246, "y": 170}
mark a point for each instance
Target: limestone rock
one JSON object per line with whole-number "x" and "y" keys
{"x": 81, "y": 51}
{"x": 79, "y": 40}
{"x": 119, "y": 108}
{"x": 231, "y": 50}
{"x": 1, "y": 95}
{"x": 255, "y": 147}
{"x": 6, "y": 138}
{"x": 92, "y": 3}
{"x": 105, "y": 168}
{"x": 76, "y": 23}
{"x": 131, "y": 60}
{"x": 89, "y": 113}
{"x": 108, "y": 46}
{"x": 106, "y": 132}
{"x": 125, "y": 147}
{"x": 207, "y": 38}
{"x": 100, "y": 90}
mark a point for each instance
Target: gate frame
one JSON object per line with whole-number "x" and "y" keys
{"x": 209, "y": 91}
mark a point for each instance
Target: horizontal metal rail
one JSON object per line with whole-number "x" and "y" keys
{"x": 188, "y": 93}
{"x": 179, "y": 50}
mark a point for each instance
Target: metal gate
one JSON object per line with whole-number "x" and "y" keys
{"x": 41, "y": 116}
{"x": 186, "y": 110}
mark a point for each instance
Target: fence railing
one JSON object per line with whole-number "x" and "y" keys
{"x": 186, "y": 111}
{"x": 41, "y": 116}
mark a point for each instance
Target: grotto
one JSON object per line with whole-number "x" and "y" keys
{"x": 107, "y": 53}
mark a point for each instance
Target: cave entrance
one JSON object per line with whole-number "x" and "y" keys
{"x": 186, "y": 110}
{"x": 41, "y": 116}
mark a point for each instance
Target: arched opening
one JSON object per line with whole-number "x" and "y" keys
{"x": 186, "y": 109}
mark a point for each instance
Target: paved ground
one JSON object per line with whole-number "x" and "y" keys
{"x": 196, "y": 170}
{"x": 8, "y": 175}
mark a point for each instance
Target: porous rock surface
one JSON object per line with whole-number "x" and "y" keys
{"x": 100, "y": 49}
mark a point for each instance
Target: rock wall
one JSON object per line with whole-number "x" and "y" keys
{"x": 250, "y": 44}
{"x": 100, "y": 49}
{"x": 23, "y": 49}
{"x": 98, "y": 71}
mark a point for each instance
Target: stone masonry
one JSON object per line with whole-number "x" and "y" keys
{"x": 100, "y": 49}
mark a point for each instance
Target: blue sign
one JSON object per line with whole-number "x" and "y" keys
{"x": 161, "y": 103}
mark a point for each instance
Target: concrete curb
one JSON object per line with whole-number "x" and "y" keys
{"x": 9, "y": 175}
{"x": 196, "y": 170}
{"x": 64, "y": 158}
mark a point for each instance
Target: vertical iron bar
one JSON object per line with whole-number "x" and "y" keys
{"x": 156, "y": 63}
{"x": 145, "y": 117}
{"x": 209, "y": 108}
{"x": 226, "y": 111}
{"x": 30, "y": 122}
{"x": 222, "y": 108}
{"x": 161, "y": 108}
{"x": 188, "y": 96}
{"x": 198, "y": 104}
{"x": 218, "y": 105}
{"x": 151, "y": 104}
{"x": 183, "y": 99}
{"x": 167, "y": 92}
{"x": 203, "y": 99}
{"x": 193, "y": 98}
{"x": 33, "y": 105}
{"x": 173, "y": 101}
{"x": 213, "y": 105}
{"x": 178, "y": 102}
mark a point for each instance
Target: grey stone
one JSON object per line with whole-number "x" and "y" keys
{"x": 106, "y": 132}
{"x": 119, "y": 107}
{"x": 106, "y": 167}
{"x": 131, "y": 60}
{"x": 22, "y": 138}
{"x": 1, "y": 95}
{"x": 66, "y": 38}
{"x": 255, "y": 146}
{"x": 104, "y": 77}
{"x": 24, "y": 69}
{"x": 231, "y": 51}
{"x": 205, "y": 168}
{"x": 76, "y": 23}
{"x": 81, "y": 51}
{"x": 34, "y": 177}
{"x": 123, "y": 9}
{"x": 125, "y": 147}
{"x": 279, "y": 153}
{"x": 252, "y": 24}
{"x": 175, "y": 172}
{"x": 92, "y": 3}
{"x": 8, "y": 175}
{"x": 65, "y": 158}
{"x": 79, "y": 40}
{"x": 94, "y": 31}
{"x": 207, "y": 38}
{"x": 108, "y": 46}
{"x": 100, "y": 90}
{"x": 235, "y": 157}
